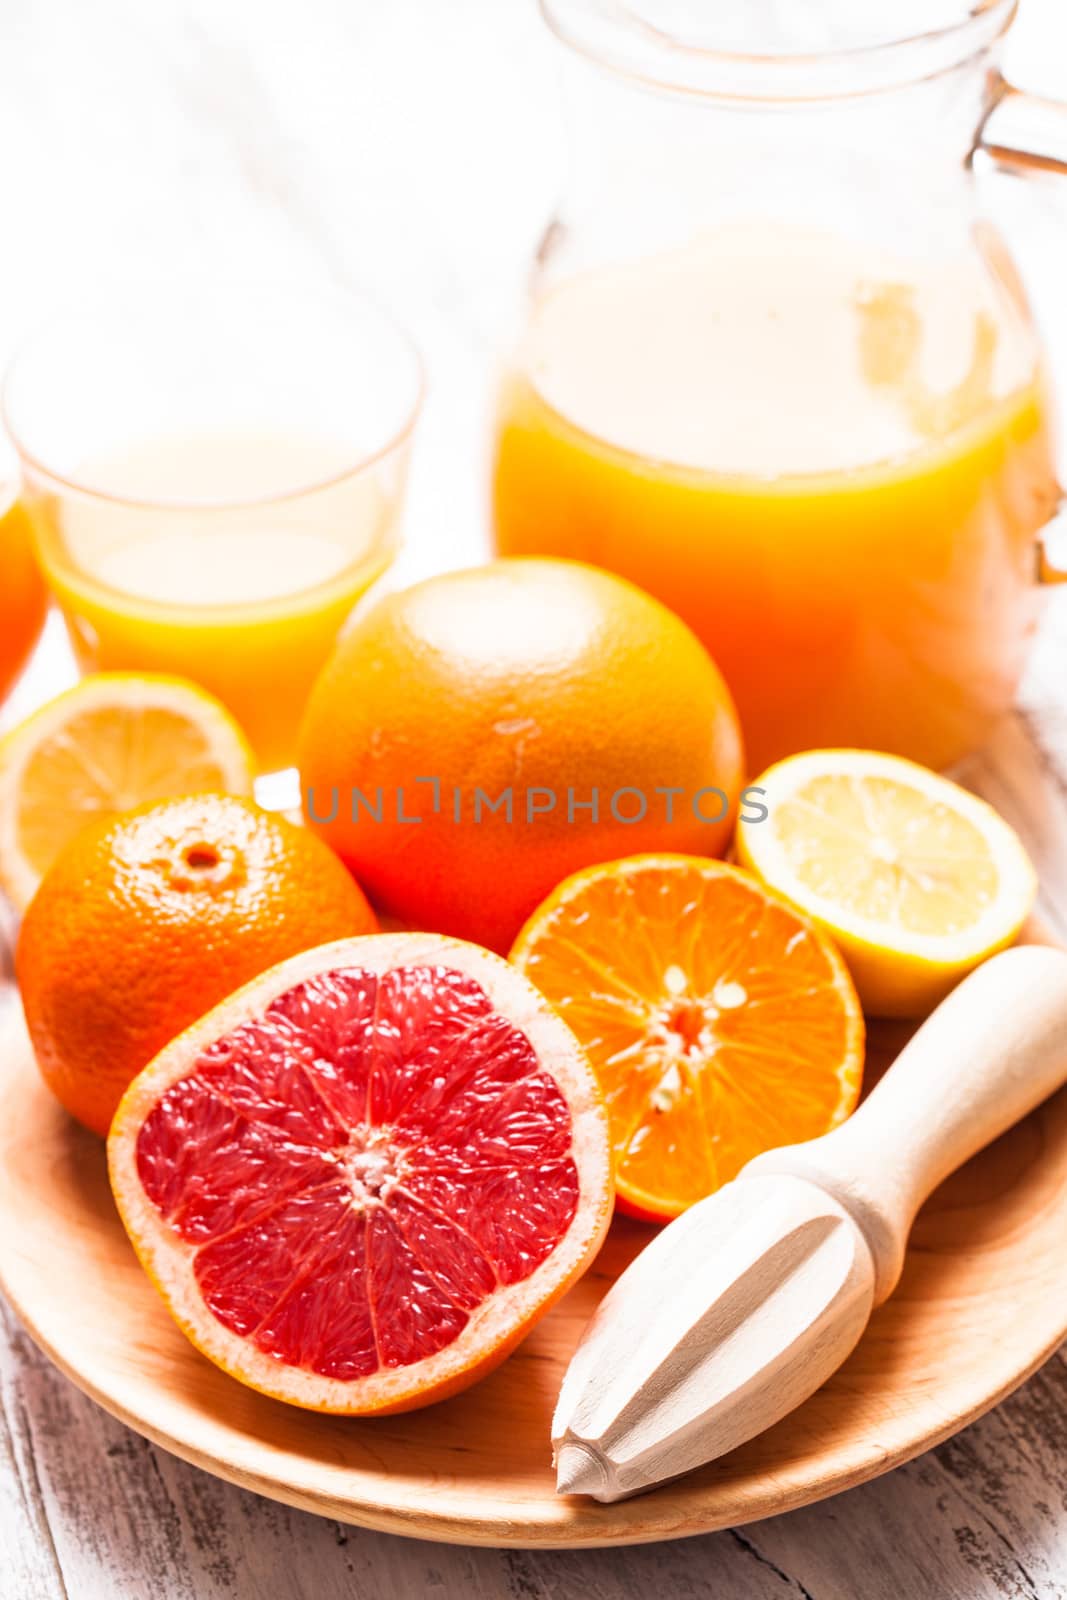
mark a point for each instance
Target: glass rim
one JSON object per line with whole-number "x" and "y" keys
{"x": 615, "y": 39}
{"x": 78, "y": 310}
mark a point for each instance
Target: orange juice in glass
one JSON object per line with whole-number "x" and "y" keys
{"x": 213, "y": 479}
{"x": 779, "y": 372}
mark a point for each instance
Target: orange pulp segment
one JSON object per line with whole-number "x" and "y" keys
{"x": 720, "y": 1021}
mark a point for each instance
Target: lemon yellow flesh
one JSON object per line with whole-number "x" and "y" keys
{"x": 882, "y": 851}
{"x": 916, "y": 879}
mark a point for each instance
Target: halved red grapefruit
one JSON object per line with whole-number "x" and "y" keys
{"x": 359, "y": 1180}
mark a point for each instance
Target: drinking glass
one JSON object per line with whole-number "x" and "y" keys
{"x": 213, "y": 476}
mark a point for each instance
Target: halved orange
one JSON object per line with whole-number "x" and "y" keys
{"x": 360, "y": 1180}
{"x": 720, "y": 1021}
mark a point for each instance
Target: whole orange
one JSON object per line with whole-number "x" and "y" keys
{"x": 476, "y": 738}
{"x": 149, "y": 919}
{"x": 23, "y": 598}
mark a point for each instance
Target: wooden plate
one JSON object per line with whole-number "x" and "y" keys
{"x": 982, "y": 1302}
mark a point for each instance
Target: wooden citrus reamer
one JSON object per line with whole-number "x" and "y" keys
{"x": 745, "y": 1305}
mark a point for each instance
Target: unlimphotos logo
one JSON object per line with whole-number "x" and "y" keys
{"x": 626, "y": 805}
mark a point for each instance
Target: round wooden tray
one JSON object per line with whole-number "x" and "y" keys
{"x": 982, "y": 1302}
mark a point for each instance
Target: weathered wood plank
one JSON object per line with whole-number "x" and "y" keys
{"x": 982, "y": 1515}
{"x": 29, "y": 1566}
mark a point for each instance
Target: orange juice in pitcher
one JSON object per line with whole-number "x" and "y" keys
{"x": 807, "y": 411}
{"x": 832, "y": 470}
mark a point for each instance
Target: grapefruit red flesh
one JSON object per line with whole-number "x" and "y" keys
{"x": 360, "y": 1180}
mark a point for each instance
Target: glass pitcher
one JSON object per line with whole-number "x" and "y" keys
{"x": 779, "y": 369}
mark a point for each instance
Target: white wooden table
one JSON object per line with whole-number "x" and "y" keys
{"x": 410, "y": 144}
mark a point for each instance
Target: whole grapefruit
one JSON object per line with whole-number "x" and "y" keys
{"x": 479, "y": 736}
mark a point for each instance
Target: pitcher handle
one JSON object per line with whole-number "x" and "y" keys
{"x": 1052, "y": 551}
{"x": 1026, "y": 134}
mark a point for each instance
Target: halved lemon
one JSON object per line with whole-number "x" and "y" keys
{"x": 916, "y": 879}
{"x": 114, "y": 741}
